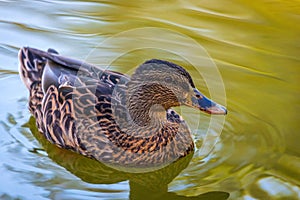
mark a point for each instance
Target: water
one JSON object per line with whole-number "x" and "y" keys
{"x": 254, "y": 49}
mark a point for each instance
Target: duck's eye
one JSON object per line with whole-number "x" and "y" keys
{"x": 168, "y": 79}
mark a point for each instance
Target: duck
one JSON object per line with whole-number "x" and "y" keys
{"x": 116, "y": 119}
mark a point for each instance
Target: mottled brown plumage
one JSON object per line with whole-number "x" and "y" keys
{"x": 108, "y": 116}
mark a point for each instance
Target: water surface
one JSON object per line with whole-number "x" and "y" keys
{"x": 254, "y": 50}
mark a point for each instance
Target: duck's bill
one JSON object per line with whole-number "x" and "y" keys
{"x": 206, "y": 105}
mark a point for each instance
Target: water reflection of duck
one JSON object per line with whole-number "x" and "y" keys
{"x": 151, "y": 185}
{"x": 108, "y": 116}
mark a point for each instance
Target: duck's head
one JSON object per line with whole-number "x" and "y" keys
{"x": 169, "y": 85}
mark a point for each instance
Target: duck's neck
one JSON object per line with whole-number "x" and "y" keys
{"x": 147, "y": 104}
{"x": 147, "y": 109}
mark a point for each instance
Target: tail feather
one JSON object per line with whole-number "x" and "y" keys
{"x": 31, "y": 66}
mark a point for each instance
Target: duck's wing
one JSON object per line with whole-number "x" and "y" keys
{"x": 53, "y": 69}
{"x": 66, "y": 95}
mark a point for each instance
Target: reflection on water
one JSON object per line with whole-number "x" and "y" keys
{"x": 255, "y": 45}
{"x": 151, "y": 185}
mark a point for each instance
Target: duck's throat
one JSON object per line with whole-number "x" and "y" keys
{"x": 146, "y": 104}
{"x": 147, "y": 115}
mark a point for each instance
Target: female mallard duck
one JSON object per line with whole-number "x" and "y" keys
{"x": 108, "y": 116}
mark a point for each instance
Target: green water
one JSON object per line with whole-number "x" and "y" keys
{"x": 244, "y": 54}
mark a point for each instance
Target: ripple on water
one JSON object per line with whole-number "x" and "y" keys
{"x": 255, "y": 45}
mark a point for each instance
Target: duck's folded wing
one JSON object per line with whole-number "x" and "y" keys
{"x": 68, "y": 63}
{"x": 69, "y": 111}
{"x": 74, "y": 96}
{"x": 53, "y": 69}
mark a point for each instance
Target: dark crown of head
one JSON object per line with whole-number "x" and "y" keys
{"x": 179, "y": 69}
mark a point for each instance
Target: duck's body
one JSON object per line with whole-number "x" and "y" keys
{"x": 106, "y": 115}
